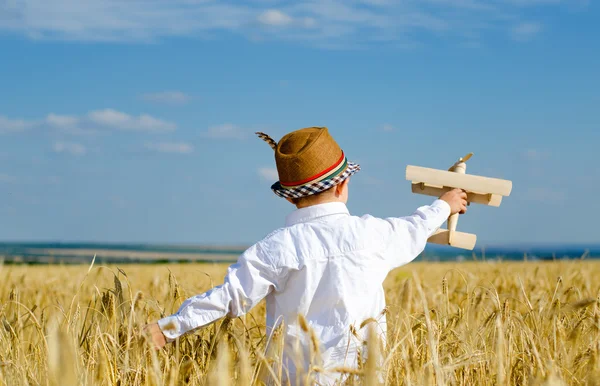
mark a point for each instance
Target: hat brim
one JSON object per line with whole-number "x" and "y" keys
{"x": 315, "y": 187}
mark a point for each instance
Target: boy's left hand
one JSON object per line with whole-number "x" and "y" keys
{"x": 155, "y": 335}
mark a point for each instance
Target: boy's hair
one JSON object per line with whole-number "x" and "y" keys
{"x": 312, "y": 198}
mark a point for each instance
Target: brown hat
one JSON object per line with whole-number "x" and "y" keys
{"x": 308, "y": 161}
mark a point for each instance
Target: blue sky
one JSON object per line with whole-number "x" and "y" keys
{"x": 133, "y": 121}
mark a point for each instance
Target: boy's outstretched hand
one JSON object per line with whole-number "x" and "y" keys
{"x": 457, "y": 199}
{"x": 155, "y": 335}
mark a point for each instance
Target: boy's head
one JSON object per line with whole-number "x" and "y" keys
{"x": 337, "y": 193}
{"x": 312, "y": 167}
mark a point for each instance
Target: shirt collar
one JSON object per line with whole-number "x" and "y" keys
{"x": 315, "y": 211}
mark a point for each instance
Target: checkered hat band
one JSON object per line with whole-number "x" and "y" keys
{"x": 315, "y": 187}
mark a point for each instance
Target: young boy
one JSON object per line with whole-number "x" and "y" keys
{"x": 325, "y": 264}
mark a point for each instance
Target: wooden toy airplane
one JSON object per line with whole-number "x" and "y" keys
{"x": 480, "y": 190}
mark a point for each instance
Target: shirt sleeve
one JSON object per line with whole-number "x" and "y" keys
{"x": 247, "y": 282}
{"x": 408, "y": 235}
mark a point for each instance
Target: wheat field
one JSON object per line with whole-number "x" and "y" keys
{"x": 472, "y": 323}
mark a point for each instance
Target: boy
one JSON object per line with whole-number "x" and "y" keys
{"x": 324, "y": 264}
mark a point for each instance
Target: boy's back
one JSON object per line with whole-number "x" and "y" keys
{"x": 332, "y": 266}
{"x": 324, "y": 265}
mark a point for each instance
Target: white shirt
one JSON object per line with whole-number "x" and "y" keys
{"x": 325, "y": 264}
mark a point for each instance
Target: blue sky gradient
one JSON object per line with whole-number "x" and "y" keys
{"x": 133, "y": 121}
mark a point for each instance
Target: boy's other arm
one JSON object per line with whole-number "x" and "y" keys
{"x": 246, "y": 284}
{"x": 409, "y": 234}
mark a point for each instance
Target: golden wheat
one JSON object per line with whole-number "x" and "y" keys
{"x": 448, "y": 324}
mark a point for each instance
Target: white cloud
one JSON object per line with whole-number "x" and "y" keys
{"x": 268, "y": 174}
{"x": 122, "y": 121}
{"x": 275, "y": 18}
{"x": 92, "y": 123}
{"x": 225, "y": 131}
{"x": 525, "y": 31}
{"x": 387, "y": 127}
{"x": 167, "y": 97}
{"x": 170, "y": 147}
{"x": 68, "y": 124}
{"x": 62, "y": 121}
{"x": 69, "y": 148}
{"x": 110, "y": 117}
{"x": 14, "y": 125}
{"x": 331, "y": 23}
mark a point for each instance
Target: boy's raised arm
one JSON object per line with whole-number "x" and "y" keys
{"x": 247, "y": 282}
{"x": 409, "y": 234}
